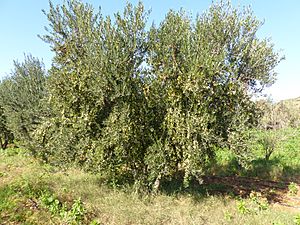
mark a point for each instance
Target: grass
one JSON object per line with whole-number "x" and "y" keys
{"x": 34, "y": 193}
{"x": 283, "y": 165}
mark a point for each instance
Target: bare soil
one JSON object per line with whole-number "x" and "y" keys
{"x": 276, "y": 192}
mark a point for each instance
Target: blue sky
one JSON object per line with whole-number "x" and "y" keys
{"x": 22, "y": 20}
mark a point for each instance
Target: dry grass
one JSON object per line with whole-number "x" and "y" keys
{"x": 115, "y": 206}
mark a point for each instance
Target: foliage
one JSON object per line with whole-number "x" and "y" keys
{"x": 6, "y": 135}
{"x": 51, "y": 203}
{"x": 293, "y": 188}
{"x": 21, "y": 96}
{"x": 278, "y": 115}
{"x": 283, "y": 162}
{"x": 204, "y": 73}
{"x": 73, "y": 215}
{"x": 141, "y": 105}
{"x": 242, "y": 208}
{"x": 260, "y": 202}
{"x": 270, "y": 140}
{"x": 255, "y": 204}
{"x": 148, "y": 104}
{"x": 297, "y": 220}
{"x": 96, "y": 88}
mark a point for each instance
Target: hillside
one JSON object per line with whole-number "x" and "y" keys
{"x": 293, "y": 102}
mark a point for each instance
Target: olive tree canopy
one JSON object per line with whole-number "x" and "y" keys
{"x": 147, "y": 102}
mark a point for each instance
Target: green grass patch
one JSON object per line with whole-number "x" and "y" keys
{"x": 283, "y": 163}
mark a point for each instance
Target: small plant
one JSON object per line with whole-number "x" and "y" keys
{"x": 242, "y": 207}
{"x": 256, "y": 204}
{"x": 293, "y": 188}
{"x": 269, "y": 142}
{"x": 297, "y": 219}
{"x": 2, "y": 174}
{"x": 228, "y": 216}
{"x": 259, "y": 201}
{"x": 77, "y": 211}
{"x": 51, "y": 203}
{"x": 75, "y": 214}
{"x": 94, "y": 222}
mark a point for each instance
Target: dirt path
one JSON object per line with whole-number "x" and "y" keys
{"x": 277, "y": 193}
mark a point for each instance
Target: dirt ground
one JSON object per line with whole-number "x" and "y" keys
{"x": 277, "y": 193}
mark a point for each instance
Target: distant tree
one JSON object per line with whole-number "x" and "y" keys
{"x": 276, "y": 115}
{"x": 6, "y": 135}
{"x": 21, "y": 95}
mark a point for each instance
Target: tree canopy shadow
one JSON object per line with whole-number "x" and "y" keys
{"x": 268, "y": 177}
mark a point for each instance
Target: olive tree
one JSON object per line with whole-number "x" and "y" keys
{"x": 21, "y": 96}
{"x": 6, "y": 135}
{"x": 96, "y": 88}
{"x": 207, "y": 72}
{"x": 149, "y": 103}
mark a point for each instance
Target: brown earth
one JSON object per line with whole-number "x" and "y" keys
{"x": 276, "y": 192}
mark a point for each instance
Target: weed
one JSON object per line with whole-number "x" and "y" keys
{"x": 242, "y": 207}
{"x": 94, "y": 222}
{"x": 51, "y": 203}
{"x": 77, "y": 211}
{"x": 297, "y": 219}
{"x": 75, "y": 214}
{"x": 255, "y": 204}
{"x": 293, "y": 188}
{"x": 5, "y": 194}
{"x": 2, "y": 174}
{"x": 228, "y": 216}
{"x": 259, "y": 201}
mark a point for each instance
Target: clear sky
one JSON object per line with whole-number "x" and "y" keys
{"x": 22, "y": 20}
